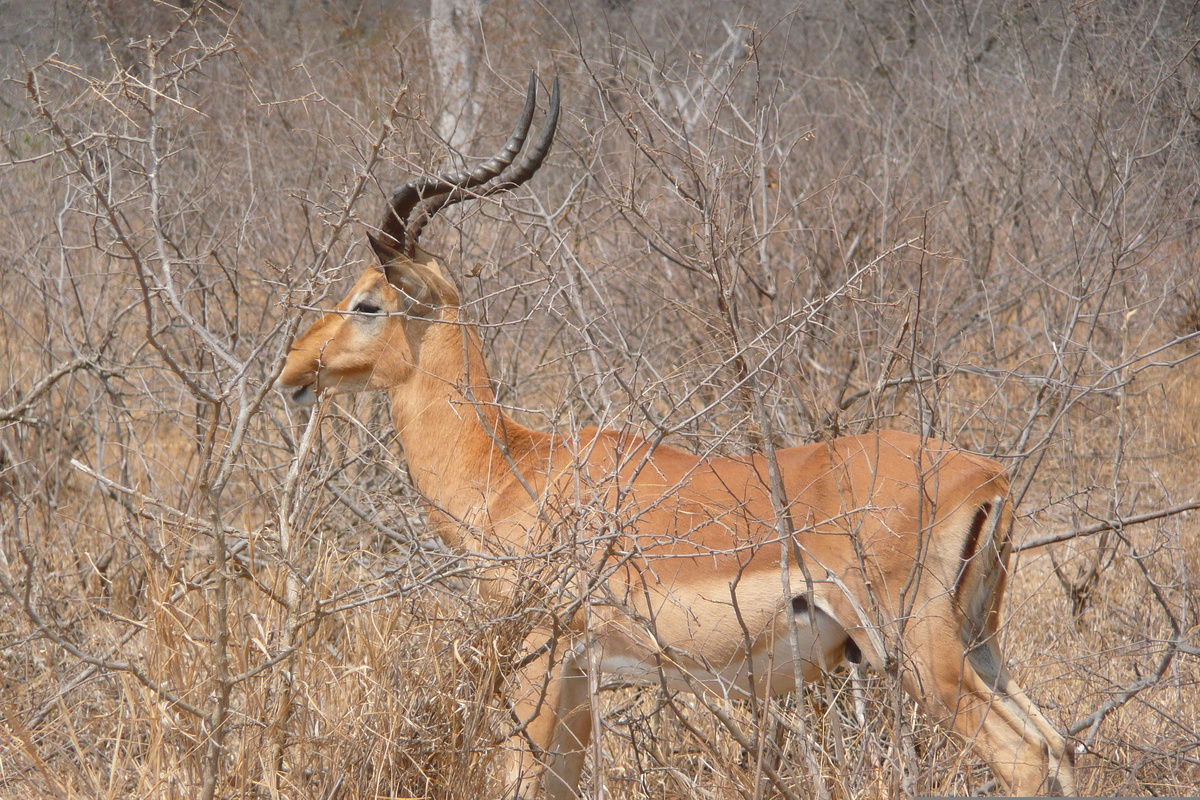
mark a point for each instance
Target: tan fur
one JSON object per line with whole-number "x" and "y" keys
{"x": 679, "y": 556}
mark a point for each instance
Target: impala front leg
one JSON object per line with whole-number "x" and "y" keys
{"x": 550, "y": 700}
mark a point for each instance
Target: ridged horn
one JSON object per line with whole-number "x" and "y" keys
{"x": 510, "y": 179}
{"x": 429, "y": 195}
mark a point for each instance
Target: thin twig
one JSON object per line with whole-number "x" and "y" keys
{"x": 1108, "y": 525}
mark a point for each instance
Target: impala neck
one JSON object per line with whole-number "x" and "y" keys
{"x": 454, "y": 435}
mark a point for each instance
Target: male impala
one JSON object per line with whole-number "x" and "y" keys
{"x": 691, "y": 571}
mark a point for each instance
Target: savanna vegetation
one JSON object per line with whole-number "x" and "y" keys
{"x": 977, "y": 221}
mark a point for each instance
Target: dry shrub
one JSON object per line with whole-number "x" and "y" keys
{"x": 978, "y": 224}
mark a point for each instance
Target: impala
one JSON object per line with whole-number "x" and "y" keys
{"x": 731, "y": 577}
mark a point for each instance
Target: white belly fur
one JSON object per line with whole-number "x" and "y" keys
{"x": 687, "y": 661}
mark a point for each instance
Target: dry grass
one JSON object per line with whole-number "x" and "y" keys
{"x": 197, "y": 597}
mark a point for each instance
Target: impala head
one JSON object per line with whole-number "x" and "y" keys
{"x": 374, "y": 338}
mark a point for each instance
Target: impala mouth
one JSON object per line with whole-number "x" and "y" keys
{"x": 304, "y": 395}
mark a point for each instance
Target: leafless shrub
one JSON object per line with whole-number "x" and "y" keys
{"x": 756, "y": 229}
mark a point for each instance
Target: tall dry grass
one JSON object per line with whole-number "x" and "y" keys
{"x": 978, "y": 222}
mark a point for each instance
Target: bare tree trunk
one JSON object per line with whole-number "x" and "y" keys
{"x": 454, "y": 41}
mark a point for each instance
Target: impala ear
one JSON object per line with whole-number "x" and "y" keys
{"x": 383, "y": 250}
{"x": 424, "y": 257}
{"x": 406, "y": 277}
{"x": 414, "y": 284}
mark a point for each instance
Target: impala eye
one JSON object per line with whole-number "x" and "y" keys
{"x": 366, "y": 307}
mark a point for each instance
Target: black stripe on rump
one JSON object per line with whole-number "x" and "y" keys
{"x": 971, "y": 543}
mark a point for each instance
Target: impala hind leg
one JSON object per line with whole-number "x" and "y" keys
{"x": 551, "y": 701}
{"x": 988, "y": 663}
{"x": 971, "y": 694}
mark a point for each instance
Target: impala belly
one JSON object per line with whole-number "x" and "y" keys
{"x": 704, "y": 644}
